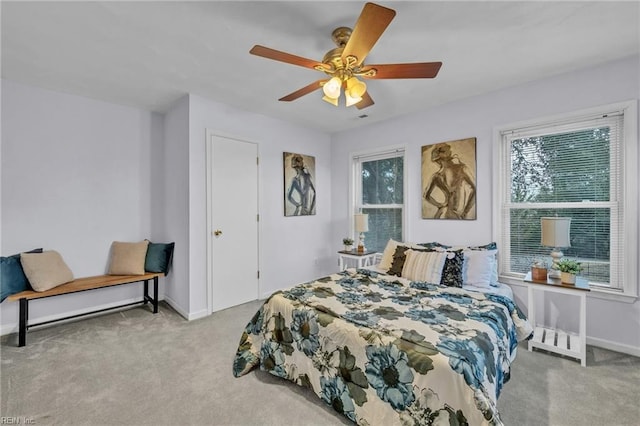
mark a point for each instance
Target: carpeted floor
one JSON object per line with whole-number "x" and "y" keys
{"x": 132, "y": 367}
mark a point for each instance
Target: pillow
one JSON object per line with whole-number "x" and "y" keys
{"x": 158, "y": 258}
{"x": 128, "y": 258}
{"x": 424, "y": 266}
{"x": 452, "y": 272}
{"x": 494, "y": 271}
{"x": 45, "y": 270}
{"x": 398, "y": 261}
{"x": 490, "y": 246}
{"x": 12, "y": 278}
{"x": 434, "y": 244}
{"x": 479, "y": 267}
{"x": 387, "y": 255}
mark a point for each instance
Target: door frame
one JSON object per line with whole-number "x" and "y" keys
{"x": 209, "y": 134}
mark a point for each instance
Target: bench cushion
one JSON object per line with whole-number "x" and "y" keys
{"x": 128, "y": 258}
{"x": 45, "y": 270}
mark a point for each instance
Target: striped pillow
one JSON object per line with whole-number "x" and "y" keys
{"x": 424, "y": 266}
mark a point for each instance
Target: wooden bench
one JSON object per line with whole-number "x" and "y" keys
{"x": 78, "y": 285}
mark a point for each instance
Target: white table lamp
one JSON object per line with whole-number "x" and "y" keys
{"x": 362, "y": 226}
{"x": 555, "y": 233}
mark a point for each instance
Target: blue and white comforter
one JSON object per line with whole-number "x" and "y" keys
{"x": 383, "y": 350}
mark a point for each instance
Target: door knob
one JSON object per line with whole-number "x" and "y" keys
{"x": 217, "y": 232}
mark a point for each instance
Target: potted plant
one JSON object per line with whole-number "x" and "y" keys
{"x": 539, "y": 270}
{"x": 568, "y": 270}
{"x": 348, "y": 243}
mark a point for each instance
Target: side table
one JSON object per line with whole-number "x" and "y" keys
{"x": 555, "y": 340}
{"x": 362, "y": 259}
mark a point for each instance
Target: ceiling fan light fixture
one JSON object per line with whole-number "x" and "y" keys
{"x": 356, "y": 88}
{"x": 346, "y": 62}
{"x": 332, "y": 101}
{"x": 331, "y": 88}
{"x": 351, "y": 100}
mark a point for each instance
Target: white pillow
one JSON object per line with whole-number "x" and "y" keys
{"x": 424, "y": 266}
{"x": 494, "y": 270}
{"x": 479, "y": 267}
{"x": 387, "y": 255}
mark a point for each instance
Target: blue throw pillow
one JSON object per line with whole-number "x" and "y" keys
{"x": 159, "y": 256}
{"x": 12, "y": 278}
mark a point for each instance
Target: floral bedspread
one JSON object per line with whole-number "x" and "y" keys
{"x": 383, "y": 350}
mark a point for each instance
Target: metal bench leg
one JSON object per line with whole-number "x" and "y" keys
{"x": 155, "y": 295}
{"x": 146, "y": 291}
{"x": 24, "y": 317}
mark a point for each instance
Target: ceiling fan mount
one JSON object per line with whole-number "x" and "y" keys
{"x": 340, "y": 36}
{"x": 346, "y": 62}
{"x": 342, "y": 67}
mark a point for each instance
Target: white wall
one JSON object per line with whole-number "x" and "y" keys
{"x": 76, "y": 175}
{"x": 79, "y": 173}
{"x": 608, "y": 322}
{"x": 293, "y": 249}
{"x": 175, "y": 202}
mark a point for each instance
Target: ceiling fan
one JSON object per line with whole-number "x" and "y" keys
{"x": 345, "y": 63}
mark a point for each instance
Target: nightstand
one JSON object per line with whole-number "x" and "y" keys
{"x": 361, "y": 259}
{"x": 555, "y": 340}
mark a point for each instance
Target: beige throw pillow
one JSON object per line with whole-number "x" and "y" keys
{"x": 387, "y": 255}
{"x": 128, "y": 258}
{"x": 424, "y": 266}
{"x": 45, "y": 270}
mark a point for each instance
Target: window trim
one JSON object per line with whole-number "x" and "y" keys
{"x": 630, "y": 184}
{"x": 355, "y": 184}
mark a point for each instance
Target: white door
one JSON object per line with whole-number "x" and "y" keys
{"x": 233, "y": 210}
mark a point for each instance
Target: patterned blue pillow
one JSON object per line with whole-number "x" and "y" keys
{"x": 434, "y": 244}
{"x": 490, "y": 246}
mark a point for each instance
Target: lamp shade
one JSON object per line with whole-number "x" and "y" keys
{"x": 332, "y": 88}
{"x": 555, "y": 231}
{"x": 362, "y": 222}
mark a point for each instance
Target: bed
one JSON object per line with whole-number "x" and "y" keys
{"x": 388, "y": 349}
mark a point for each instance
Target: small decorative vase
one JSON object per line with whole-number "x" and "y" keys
{"x": 539, "y": 274}
{"x": 567, "y": 278}
{"x": 348, "y": 248}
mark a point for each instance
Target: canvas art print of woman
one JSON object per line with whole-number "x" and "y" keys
{"x": 300, "y": 191}
{"x": 449, "y": 180}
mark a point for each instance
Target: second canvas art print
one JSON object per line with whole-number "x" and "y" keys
{"x": 299, "y": 184}
{"x": 449, "y": 180}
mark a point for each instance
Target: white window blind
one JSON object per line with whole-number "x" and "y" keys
{"x": 378, "y": 188}
{"x": 568, "y": 168}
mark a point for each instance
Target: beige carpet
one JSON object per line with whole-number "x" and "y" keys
{"x": 133, "y": 368}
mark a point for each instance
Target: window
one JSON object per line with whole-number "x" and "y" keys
{"x": 582, "y": 166}
{"x": 378, "y": 189}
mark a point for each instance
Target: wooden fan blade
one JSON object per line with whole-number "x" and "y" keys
{"x": 365, "y": 102}
{"x": 304, "y": 91}
{"x": 369, "y": 27}
{"x": 288, "y": 58}
{"x": 415, "y": 70}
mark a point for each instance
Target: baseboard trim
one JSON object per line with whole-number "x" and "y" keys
{"x": 189, "y": 316}
{"x": 87, "y": 312}
{"x": 613, "y": 346}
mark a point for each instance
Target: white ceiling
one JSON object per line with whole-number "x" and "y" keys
{"x": 148, "y": 54}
